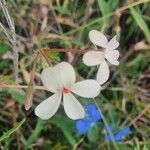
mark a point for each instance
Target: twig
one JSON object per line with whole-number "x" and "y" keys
{"x": 11, "y": 37}
{"x": 74, "y": 50}
{"x": 21, "y": 86}
{"x": 30, "y": 89}
{"x": 5, "y": 31}
{"x": 140, "y": 115}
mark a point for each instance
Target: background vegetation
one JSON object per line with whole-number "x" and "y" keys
{"x": 65, "y": 24}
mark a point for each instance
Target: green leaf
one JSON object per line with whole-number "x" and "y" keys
{"x": 63, "y": 11}
{"x": 104, "y": 9}
{"x": 3, "y": 48}
{"x": 54, "y": 56}
{"x": 3, "y": 64}
{"x": 66, "y": 6}
{"x": 35, "y": 133}
{"x": 64, "y": 124}
{"x": 17, "y": 96}
{"x": 93, "y": 134}
{"x": 113, "y": 4}
{"x": 141, "y": 22}
{"x": 61, "y": 122}
{"x": 123, "y": 146}
{"x": 11, "y": 131}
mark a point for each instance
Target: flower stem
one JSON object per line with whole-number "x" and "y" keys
{"x": 107, "y": 128}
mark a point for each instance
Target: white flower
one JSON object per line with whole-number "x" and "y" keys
{"x": 92, "y": 58}
{"x": 60, "y": 80}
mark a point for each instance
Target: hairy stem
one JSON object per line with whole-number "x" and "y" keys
{"x": 11, "y": 37}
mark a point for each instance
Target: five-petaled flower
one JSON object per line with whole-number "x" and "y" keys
{"x": 109, "y": 52}
{"x": 60, "y": 80}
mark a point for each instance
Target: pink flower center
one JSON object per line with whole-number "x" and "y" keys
{"x": 65, "y": 90}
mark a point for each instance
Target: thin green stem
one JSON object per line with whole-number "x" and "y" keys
{"x": 106, "y": 124}
{"x": 106, "y": 16}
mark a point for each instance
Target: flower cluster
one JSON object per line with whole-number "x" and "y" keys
{"x": 92, "y": 115}
{"x": 60, "y": 80}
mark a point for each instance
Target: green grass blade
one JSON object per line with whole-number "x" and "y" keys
{"x": 105, "y": 122}
{"x": 11, "y": 131}
{"x": 141, "y": 22}
{"x": 64, "y": 124}
{"x": 35, "y": 133}
{"x": 97, "y": 20}
{"x": 104, "y": 9}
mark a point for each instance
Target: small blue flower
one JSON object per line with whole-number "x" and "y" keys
{"x": 91, "y": 107}
{"x": 118, "y": 136}
{"x": 82, "y": 126}
{"x": 92, "y": 116}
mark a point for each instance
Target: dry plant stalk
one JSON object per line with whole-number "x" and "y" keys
{"x": 73, "y": 50}
{"x": 30, "y": 89}
{"x": 11, "y": 35}
{"x": 140, "y": 115}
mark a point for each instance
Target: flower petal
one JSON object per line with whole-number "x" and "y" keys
{"x": 103, "y": 73}
{"x": 98, "y": 38}
{"x": 93, "y": 58}
{"x": 92, "y": 113}
{"x": 123, "y": 132}
{"x": 58, "y": 76}
{"x": 91, "y": 107}
{"x": 112, "y": 56}
{"x": 112, "y": 44}
{"x": 82, "y": 126}
{"x": 87, "y": 88}
{"x": 119, "y": 135}
{"x": 48, "y": 107}
{"x": 73, "y": 108}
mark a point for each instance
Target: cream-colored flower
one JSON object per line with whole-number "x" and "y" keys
{"x": 60, "y": 80}
{"x": 109, "y": 52}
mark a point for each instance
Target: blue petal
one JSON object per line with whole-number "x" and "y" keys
{"x": 119, "y": 135}
{"x": 92, "y": 114}
{"x": 91, "y": 107}
{"x": 116, "y": 138}
{"x": 125, "y": 131}
{"x": 82, "y": 126}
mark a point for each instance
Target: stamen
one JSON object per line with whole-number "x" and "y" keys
{"x": 65, "y": 90}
